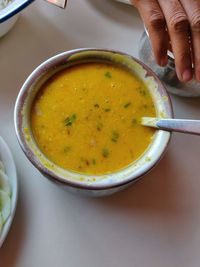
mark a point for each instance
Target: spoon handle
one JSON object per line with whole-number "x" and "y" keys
{"x": 176, "y": 125}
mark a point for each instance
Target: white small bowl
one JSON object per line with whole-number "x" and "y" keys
{"x": 10, "y": 14}
{"x": 7, "y": 159}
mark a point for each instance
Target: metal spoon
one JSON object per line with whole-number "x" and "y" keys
{"x": 176, "y": 125}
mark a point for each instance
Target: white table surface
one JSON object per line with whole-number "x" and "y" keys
{"x": 154, "y": 223}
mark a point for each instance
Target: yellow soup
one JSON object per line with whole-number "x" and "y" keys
{"x": 86, "y": 118}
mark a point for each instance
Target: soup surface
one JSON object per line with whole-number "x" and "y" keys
{"x": 86, "y": 118}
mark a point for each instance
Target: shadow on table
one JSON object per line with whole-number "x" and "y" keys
{"x": 152, "y": 193}
{"x": 116, "y": 11}
{"x": 186, "y": 107}
{"x": 158, "y": 194}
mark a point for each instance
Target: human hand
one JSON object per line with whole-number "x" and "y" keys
{"x": 174, "y": 24}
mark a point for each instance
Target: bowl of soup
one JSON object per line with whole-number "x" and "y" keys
{"x": 78, "y": 120}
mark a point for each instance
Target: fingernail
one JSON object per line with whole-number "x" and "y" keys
{"x": 187, "y": 75}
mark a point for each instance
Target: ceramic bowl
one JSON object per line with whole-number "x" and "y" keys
{"x": 10, "y": 14}
{"x": 10, "y": 170}
{"x": 103, "y": 184}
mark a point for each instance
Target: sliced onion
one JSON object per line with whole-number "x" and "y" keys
{"x": 2, "y": 166}
{"x": 5, "y": 205}
{"x": 4, "y": 183}
{"x": 1, "y": 222}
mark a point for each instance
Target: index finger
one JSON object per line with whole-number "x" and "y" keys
{"x": 179, "y": 31}
{"x": 154, "y": 21}
{"x": 192, "y": 9}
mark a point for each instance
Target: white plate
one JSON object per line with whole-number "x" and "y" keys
{"x": 7, "y": 159}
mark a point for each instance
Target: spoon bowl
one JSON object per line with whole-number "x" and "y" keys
{"x": 176, "y": 125}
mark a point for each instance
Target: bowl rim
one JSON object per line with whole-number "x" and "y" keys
{"x": 8, "y": 161}
{"x": 13, "y": 8}
{"x": 57, "y": 60}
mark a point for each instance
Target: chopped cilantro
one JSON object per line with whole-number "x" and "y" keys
{"x": 127, "y": 105}
{"x": 142, "y": 92}
{"x": 115, "y": 136}
{"x": 99, "y": 126}
{"x": 69, "y": 120}
{"x": 105, "y": 152}
{"x": 108, "y": 75}
{"x": 145, "y": 106}
{"x": 87, "y": 162}
{"x": 134, "y": 121}
{"x": 67, "y": 149}
{"x": 93, "y": 161}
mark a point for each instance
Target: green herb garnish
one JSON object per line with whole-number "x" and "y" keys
{"x": 94, "y": 161}
{"x": 99, "y": 126}
{"x": 127, "y": 105}
{"x": 105, "y": 152}
{"x": 142, "y": 92}
{"x": 134, "y": 121}
{"x": 66, "y": 149}
{"x": 115, "y": 136}
{"x": 69, "y": 120}
{"x": 87, "y": 162}
{"x": 108, "y": 75}
{"x": 145, "y": 106}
